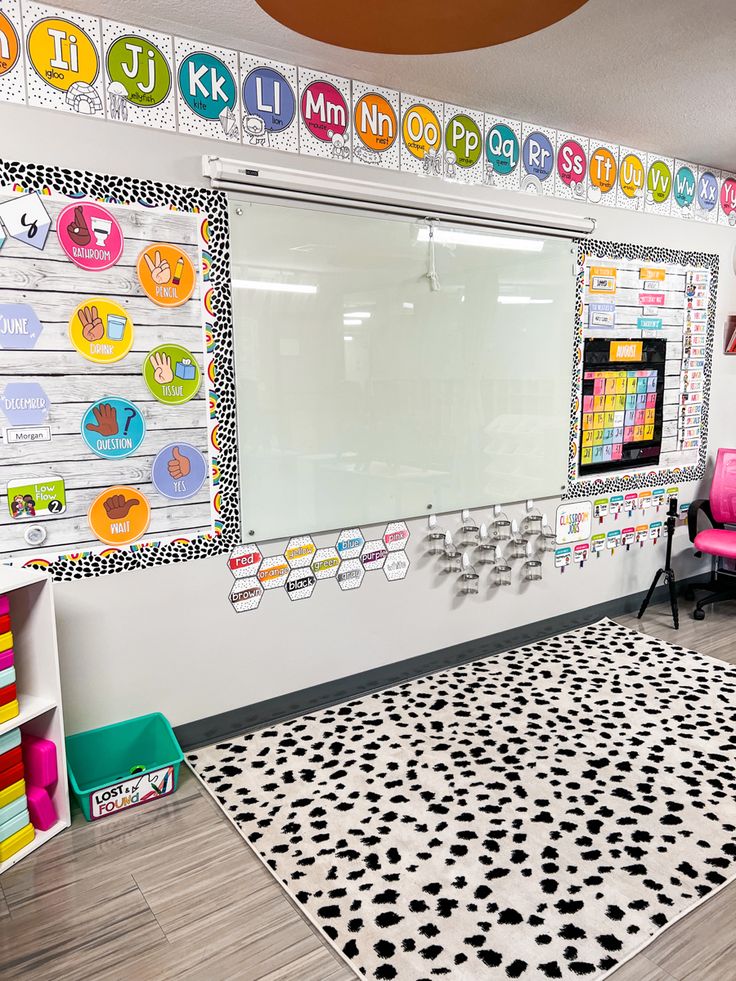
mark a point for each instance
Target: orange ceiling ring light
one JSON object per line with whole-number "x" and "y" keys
{"x": 413, "y": 27}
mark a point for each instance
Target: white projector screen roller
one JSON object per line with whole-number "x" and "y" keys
{"x": 386, "y": 369}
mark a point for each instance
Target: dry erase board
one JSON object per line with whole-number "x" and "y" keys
{"x": 113, "y": 294}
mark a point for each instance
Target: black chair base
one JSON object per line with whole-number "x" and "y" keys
{"x": 719, "y": 590}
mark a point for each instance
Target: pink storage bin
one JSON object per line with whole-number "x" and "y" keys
{"x": 39, "y": 761}
{"x": 6, "y": 659}
{"x": 41, "y": 808}
{"x": 4, "y": 605}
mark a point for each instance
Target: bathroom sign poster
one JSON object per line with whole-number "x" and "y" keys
{"x": 63, "y": 60}
{"x": 139, "y": 76}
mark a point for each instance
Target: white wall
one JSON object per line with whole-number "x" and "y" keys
{"x": 167, "y": 638}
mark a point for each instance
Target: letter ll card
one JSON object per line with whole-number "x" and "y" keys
{"x": 268, "y": 93}
{"x": 324, "y": 115}
{"x": 207, "y": 90}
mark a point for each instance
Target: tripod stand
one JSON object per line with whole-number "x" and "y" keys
{"x": 668, "y": 572}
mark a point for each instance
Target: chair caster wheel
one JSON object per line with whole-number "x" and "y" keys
{"x": 698, "y": 614}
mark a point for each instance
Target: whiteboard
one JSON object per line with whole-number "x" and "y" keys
{"x": 367, "y": 392}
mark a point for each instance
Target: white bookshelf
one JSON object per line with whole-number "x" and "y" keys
{"x": 37, "y": 679}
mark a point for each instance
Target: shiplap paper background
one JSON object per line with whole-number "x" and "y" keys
{"x": 52, "y": 285}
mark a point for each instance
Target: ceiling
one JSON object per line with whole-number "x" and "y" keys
{"x": 655, "y": 75}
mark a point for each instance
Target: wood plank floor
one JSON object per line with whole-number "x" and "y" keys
{"x": 174, "y": 893}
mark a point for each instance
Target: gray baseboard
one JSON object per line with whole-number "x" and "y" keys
{"x": 217, "y": 728}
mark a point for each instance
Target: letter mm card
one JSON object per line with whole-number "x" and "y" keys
{"x": 502, "y": 152}
{"x": 658, "y": 185}
{"x": 602, "y": 173}
{"x": 138, "y": 68}
{"x": 376, "y": 118}
{"x": 325, "y": 128}
{"x": 207, "y": 90}
{"x": 463, "y": 145}
{"x": 538, "y": 159}
{"x": 269, "y": 104}
{"x": 571, "y": 167}
{"x": 12, "y": 58}
{"x": 63, "y": 60}
{"x": 422, "y": 128}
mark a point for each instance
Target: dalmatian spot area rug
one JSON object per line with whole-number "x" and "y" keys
{"x": 542, "y": 813}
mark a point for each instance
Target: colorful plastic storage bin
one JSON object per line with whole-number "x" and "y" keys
{"x": 15, "y": 842}
{"x": 39, "y": 760}
{"x": 123, "y": 765}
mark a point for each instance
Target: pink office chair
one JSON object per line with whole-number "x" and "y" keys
{"x": 718, "y": 540}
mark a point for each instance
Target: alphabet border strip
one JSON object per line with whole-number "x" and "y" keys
{"x": 241, "y": 98}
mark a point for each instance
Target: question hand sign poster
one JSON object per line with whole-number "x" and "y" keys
{"x": 113, "y": 428}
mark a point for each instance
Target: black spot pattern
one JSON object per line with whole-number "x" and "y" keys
{"x": 213, "y": 205}
{"x": 652, "y": 478}
{"x": 566, "y": 760}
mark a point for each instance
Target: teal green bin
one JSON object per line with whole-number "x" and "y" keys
{"x": 124, "y": 765}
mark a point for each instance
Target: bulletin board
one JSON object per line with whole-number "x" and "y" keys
{"x": 645, "y": 325}
{"x": 115, "y": 343}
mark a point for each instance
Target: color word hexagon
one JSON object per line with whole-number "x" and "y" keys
{"x": 300, "y": 584}
{"x": 350, "y": 574}
{"x": 349, "y": 543}
{"x": 246, "y": 594}
{"x": 373, "y": 555}
{"x": 299, "y": 552}
{"x": 396, "y": 536}
{"x": 245, "y": 560}
{"x": 325, "y": 563}
{"x": 396, "y": 566}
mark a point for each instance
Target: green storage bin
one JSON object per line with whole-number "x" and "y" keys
{"x": 123, "y": 765}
